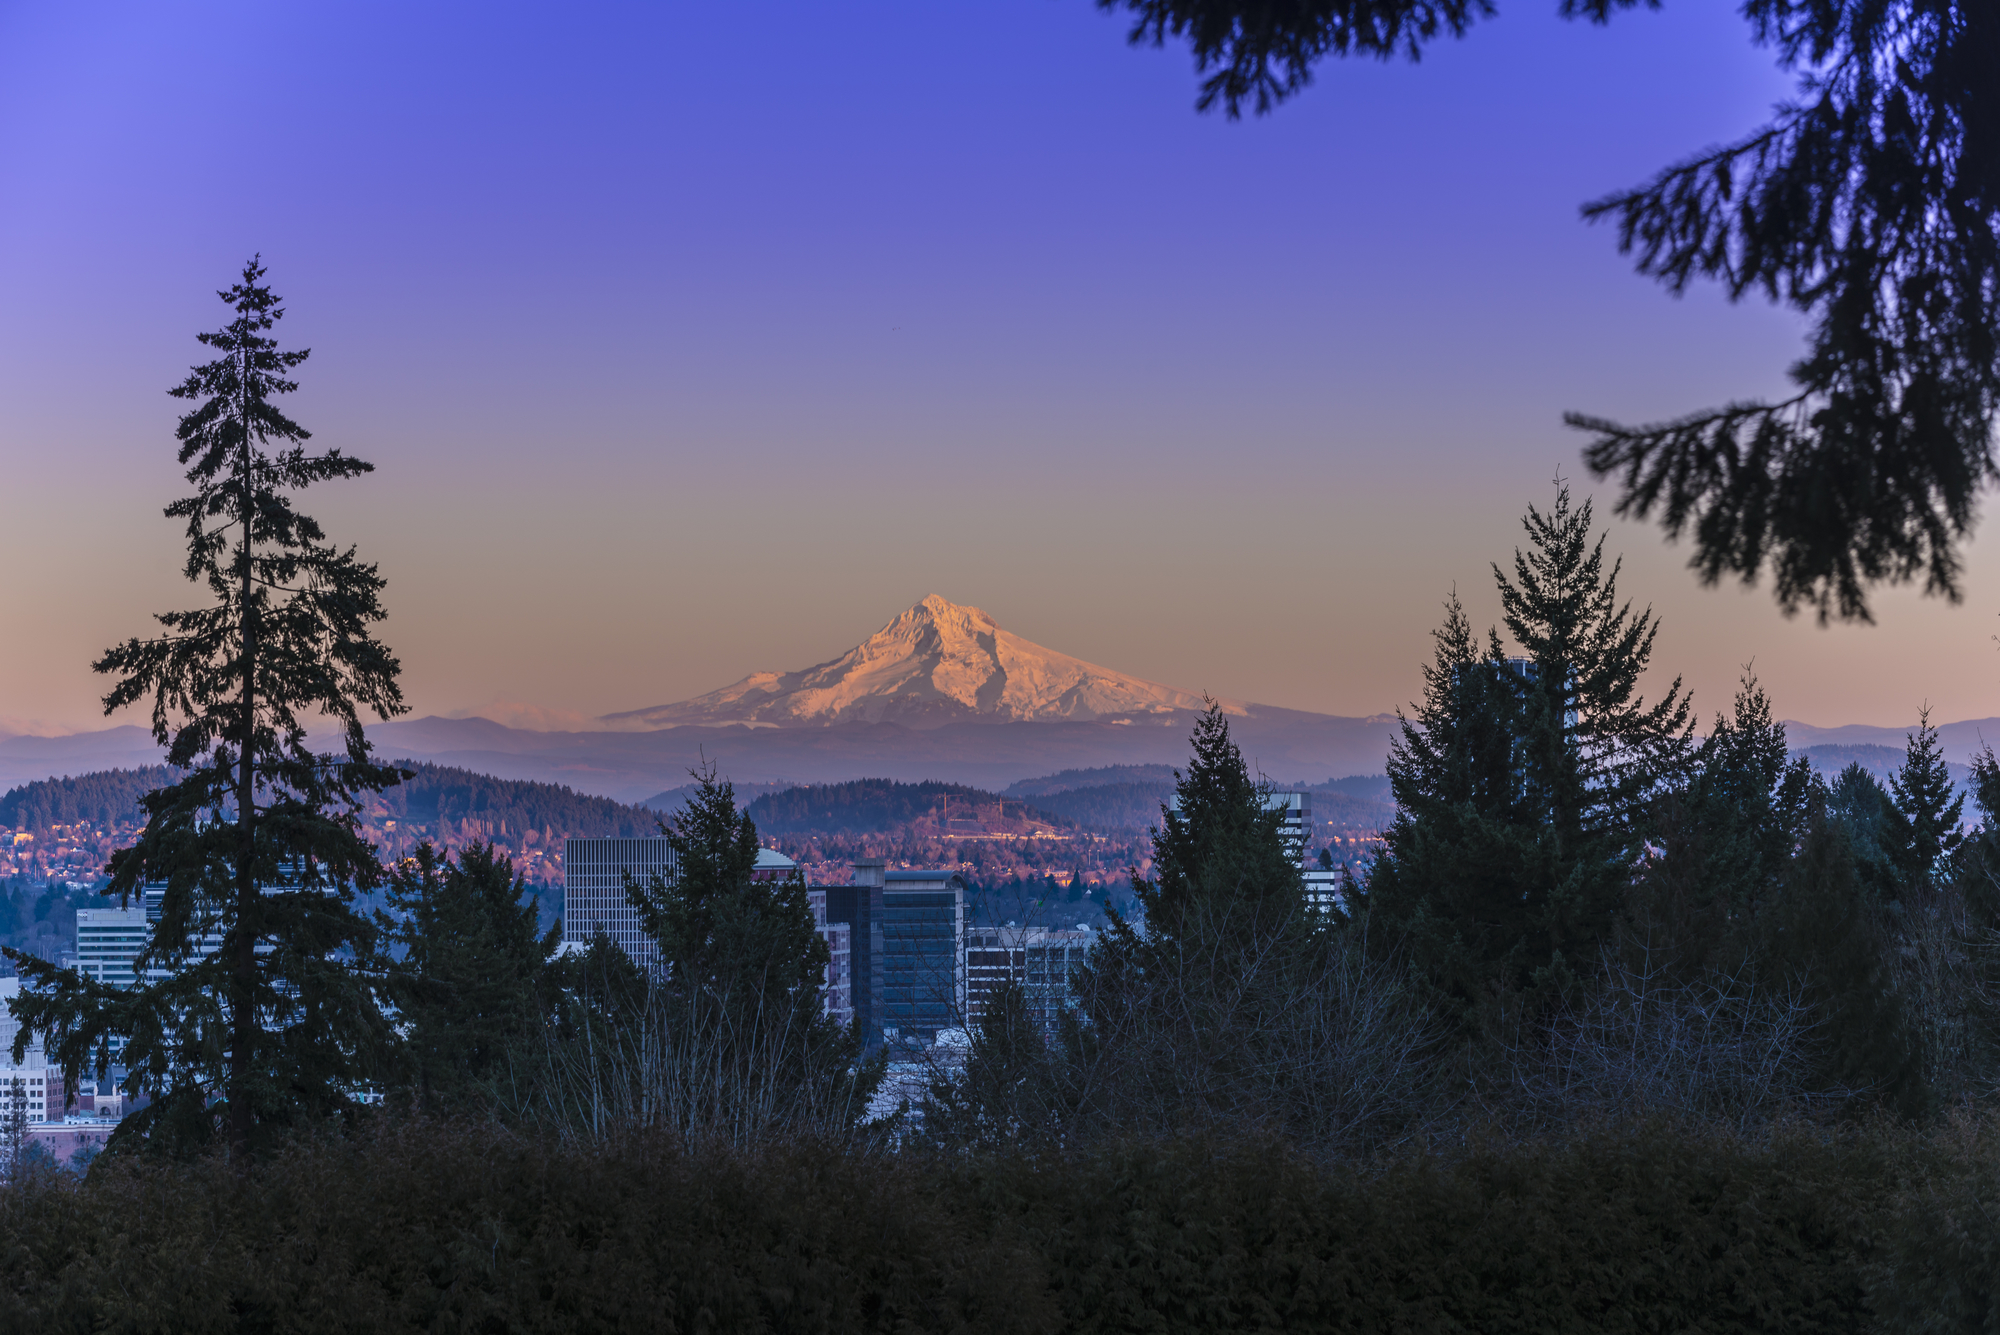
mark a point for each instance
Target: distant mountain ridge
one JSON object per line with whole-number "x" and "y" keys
{"x": 935, "y": 664}
{"x": 1880, "y": 761}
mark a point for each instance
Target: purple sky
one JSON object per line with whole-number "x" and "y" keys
{"x": 695, "y": 340}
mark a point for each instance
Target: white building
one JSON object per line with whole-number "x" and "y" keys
{"x": 1041, "y": 959}
{"x": 35, "y": 1090}
{"x": 594, "y": 872}
{"x": 837, "y": 993}
{"x": 10, "y": 1028}
{"x": 108, "y": 941}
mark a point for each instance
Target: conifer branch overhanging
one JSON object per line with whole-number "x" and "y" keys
{"x": 1870, "y": 203}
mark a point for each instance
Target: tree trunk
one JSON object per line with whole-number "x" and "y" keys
{"x": 243, "y": 1016}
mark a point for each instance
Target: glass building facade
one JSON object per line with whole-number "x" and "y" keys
{"x": 906, "y": 952}
{"x": 923, "y": 956}
{"x": 594, "y": 900}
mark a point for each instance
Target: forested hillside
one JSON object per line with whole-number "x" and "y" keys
{"x": 1110, "y": 806}
{"x": 109, "y": 797}
{"x": 875, "y": 806}
{"x": 1104, "y": 776}
{"x": 66, "y": 829}
{"x": 1343, "y": 808}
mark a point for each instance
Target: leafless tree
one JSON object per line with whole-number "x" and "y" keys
{"x": 702, "y": 1065}
{"x": 1285, "y": 1026}
{"x": 1725, "y": 1047}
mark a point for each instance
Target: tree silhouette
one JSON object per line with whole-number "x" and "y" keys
{"x": 264, "y": 1011}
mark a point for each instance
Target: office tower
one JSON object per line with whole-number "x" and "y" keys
{"x": 858, "y": 907}
{"x": 1322, "y": 886}
{"x": 906, "y": 951}
{"x": 923, "y": 956}
{"x": 1042, "y": 960}
{"x": 108, "y": 941}
{"x": 594, "y": 872}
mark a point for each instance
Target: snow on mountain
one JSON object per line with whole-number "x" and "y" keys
{"x": 937, "y": 663}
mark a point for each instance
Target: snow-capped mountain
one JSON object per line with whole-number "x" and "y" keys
{"x": 937, "y": 663}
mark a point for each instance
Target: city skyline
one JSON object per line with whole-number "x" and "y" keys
{"x": 711, "y": 348}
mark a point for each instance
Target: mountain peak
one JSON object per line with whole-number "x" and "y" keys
{"x": 937, "y": 663}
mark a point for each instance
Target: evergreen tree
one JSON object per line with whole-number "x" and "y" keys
{"x": 716, "y": 925}
{"x": 1525, "y": 786}
{"x": 1008, "y": 1092}
{"x": 1870, "y": 821}
{"x": 1219, "y": 1008}
{"x": 1446, "y": 885}
{"x": 1922, "y": 844}
{"x": 258, "y": 845}
{"x": 1724, "y": 844}
{"x": 1827, "y": 936}
{"x": 738, "y": 994}
{"x": 1223, "y": 872}
{"x": 1943, "y": 950}
{"x": 469, "y": 981}
{"x": 1592, "y": 755}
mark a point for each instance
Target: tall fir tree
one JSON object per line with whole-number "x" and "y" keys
{"x": 1527, "y": 782}
{"x": 1943, "y": 951}
{"x": 1446, "y": 887}
{"x": 1828, "y": 939}
{"x": 1223, "y": 871}
{"x": 1723, "y": 845}
{"x": 1187, "y": 1016}
{"x": 1922, "y": 844}
{"x": 469, "y": 980}
{"x": 739, "y": 986}
{"x": 257, "y": 849}
{"x": 716, "y": 924}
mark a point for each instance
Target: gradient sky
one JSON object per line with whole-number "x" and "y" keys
{"x": 695, "y": 340}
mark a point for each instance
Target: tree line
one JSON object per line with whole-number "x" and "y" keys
{"x": 1583, "y": 909}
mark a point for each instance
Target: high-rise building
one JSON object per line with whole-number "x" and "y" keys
{"x": 923, "y": 956}
{"x": 108, "y": 941}
{"x": 1042, "y": 960}
{"x": 906, "y": 951}
{"x": 1322, "y": 885}
{"x": 594, "y": 872}
{"x": 858, "y": 908}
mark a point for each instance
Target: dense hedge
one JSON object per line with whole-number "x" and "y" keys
{"x": 431, "y": 1228}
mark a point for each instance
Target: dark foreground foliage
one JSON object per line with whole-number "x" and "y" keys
{"x": 458, "y": 1227}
